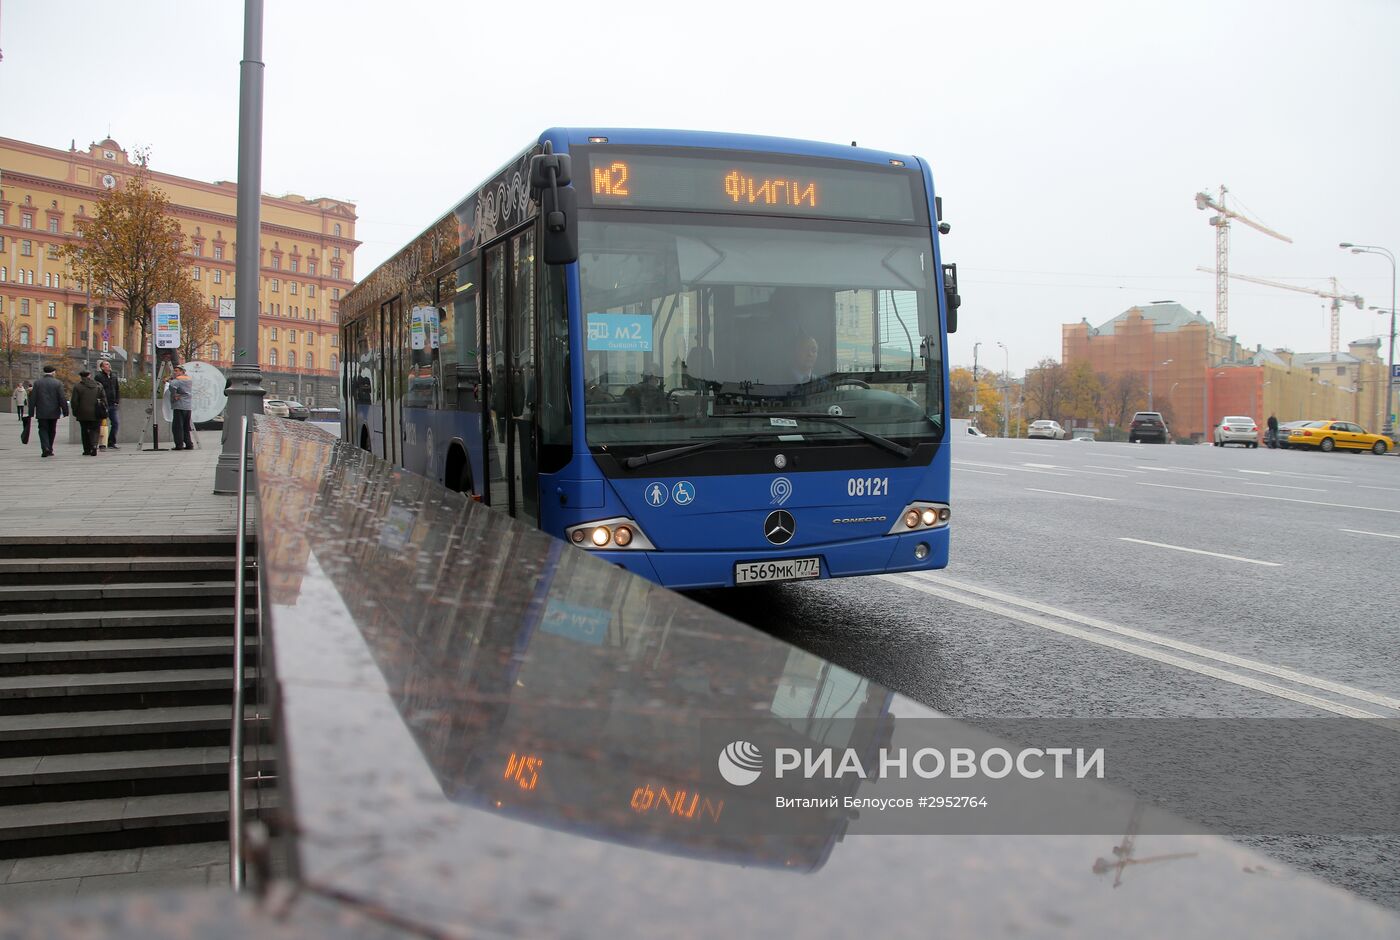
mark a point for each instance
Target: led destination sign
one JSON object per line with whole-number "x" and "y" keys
{"x": 741, "y": 183}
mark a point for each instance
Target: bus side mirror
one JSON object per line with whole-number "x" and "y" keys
{"x": 549, "y": 184}
{"x": 950, "y": 295}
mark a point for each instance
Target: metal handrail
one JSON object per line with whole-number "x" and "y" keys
{"x": 235, "y": 762}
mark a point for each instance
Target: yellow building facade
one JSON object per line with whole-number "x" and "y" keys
{"x": 306, "y": 264}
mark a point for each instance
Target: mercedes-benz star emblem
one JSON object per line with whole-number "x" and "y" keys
{"x": 779, "y": 527}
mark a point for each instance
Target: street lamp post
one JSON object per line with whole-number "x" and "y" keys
{"x": 972, "y": 409}
{"x": 1390, "y": 371}
{"x": 1006, "y": 394}
{"x": 1151, "y": 374}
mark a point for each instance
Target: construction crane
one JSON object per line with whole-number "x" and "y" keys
{"x": 1334, "y": 296}
{"x": 1222, "y": 251}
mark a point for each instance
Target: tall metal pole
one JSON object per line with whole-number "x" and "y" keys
{"x": 245, "y": 391}
{"x": 1006, "y": 394}
{"x": 976, "y": 399}
{"x": 1390, "y": 365}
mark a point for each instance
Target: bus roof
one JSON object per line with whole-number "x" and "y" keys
{"x": 652, "y": 137}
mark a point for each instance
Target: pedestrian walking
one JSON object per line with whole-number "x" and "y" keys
{"x": 181, "y": 409}
{"x": 1271, "y": 436}
{"x": 47, "y": 404}
{"x": 90, "y": 408}
{"x": 113, "y": 390}
{"x": 26, "y": 416}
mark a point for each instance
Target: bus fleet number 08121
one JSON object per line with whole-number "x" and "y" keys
{"x": 868, "y": 486}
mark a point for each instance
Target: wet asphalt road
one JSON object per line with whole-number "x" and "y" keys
{"x": 1115, "y": 580}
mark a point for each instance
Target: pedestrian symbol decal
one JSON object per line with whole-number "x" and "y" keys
{"x": 683, "y": 493}
{"x": 656, "y": 495}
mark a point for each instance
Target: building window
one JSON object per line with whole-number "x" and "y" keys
{"x": 51, "y": 252}
{"x": 2, "y": 242}
{"x": 272, "y": 357}
{"x": 310, "y": 265}
{"x": 310, "y": 338}
{"x": 2, "y": 216}
{"x": 214, "y": 352}
{"x": 26, "y": 247}
{"x": 4, "y": 273}
{"x": 310, "y": 362}
{"x": 1341, "y": 370}
{"x": 336, "y": 232}
{"x": 291, "y": 336}
{"x": 275, "y": 286}
{"x": 218, "y": 252}
{"x": 296, "y": 265}
{"x": 310, "y": 288}
{"x": 292, "y": 286}
{"x": 335, "y": 341}
{"x": 51, "y": 337}
{"x": 335, "y": 293}
{"x": 218, "y": 276}
{"x": 335, "y": 252}
{"x": 274, "y": 334}
{"x": 335, "y": 363}
{"x": 53, "y": 226}
{"x": 26, "y": 220}
{"x": 291, "y": 359}
{"x": 53, "y": 310}
{"x": 196, "y": 273}
{"x": 24, "y": 306}
{"x": 198, "y": 249}
{"x": 276, "y": 262}
{"x": 24, "y": 336}
{"x": 47, "y": 279}
{"x": 29, "y": 276}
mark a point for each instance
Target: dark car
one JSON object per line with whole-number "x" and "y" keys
{"x": 1148, "y": 426}
{"x": 1281, "y": 441}
{"x": 297, "y": 411}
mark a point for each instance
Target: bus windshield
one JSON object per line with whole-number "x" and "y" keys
{"x": 693, "y": 325}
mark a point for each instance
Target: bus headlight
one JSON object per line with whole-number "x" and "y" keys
{"x": 617, "y": 533}
{"x": 921, "y": 515}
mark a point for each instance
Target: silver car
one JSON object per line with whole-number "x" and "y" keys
{"x": 276, "y": 408}
{"x": 1047, "y": 430}
{"x": 1237, "y": 429}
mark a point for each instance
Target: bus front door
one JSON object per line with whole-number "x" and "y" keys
{"x": 508, "y": 344}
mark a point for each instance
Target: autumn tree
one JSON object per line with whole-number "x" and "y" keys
{"x": 1083, "y": 393}
{"x": 9, "y": 347}
{"x": 1045, "y": 389}
{"x": 988, "y": 417}
{"x": 1124, "y": 394}
{"x": 199, "y": 324}
{"x": 133, "y": 244}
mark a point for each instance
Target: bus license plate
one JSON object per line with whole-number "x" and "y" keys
{"x": 788, "y": 569}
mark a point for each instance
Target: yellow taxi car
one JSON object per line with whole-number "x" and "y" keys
{"x": 1337, "y": 435}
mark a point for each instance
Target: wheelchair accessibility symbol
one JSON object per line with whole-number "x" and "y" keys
{"x": 683, "y": 493}
{"x": 656, "y": 495}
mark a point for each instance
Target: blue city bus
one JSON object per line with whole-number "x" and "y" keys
{"x": 711, "y": 359}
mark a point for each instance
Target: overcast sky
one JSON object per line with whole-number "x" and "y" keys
{"x": 1067, "y": 139}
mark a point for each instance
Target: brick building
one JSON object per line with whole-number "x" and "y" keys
{"x": 1197, "y": 375}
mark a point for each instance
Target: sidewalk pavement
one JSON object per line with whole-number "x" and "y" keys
{"x": 127, "y": 492}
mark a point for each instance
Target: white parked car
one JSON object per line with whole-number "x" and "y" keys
{"x": 1237, "y": 429}
{"x": 1048, "y": 430}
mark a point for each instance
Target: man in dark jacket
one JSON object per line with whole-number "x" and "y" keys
{"x": 47, "y": 404}
{"x": 89, "y": 407}
{"x": 1271, "y": 438}
{"x": 113, "y": 390}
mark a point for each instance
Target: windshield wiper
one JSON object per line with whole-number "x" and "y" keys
{"x": 893, "y": 447}
{"x": 657, "y": 456}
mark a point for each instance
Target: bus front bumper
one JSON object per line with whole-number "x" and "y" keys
{"x": 699, "y": 569}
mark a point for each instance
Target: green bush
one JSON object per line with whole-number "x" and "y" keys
{"x": 137, "y": 387}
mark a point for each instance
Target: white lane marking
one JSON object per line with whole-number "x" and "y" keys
{"x": 1279, "y": 672}
{"x": 1260, "y": 472}
{"x": 1209, "y": 473}
{"x": 1133, "y": 649}
{"x": 990, "y": 473}
{"x": 1384, "y": 535}
{"x": 1314, "y": 476}
{"x": 1051, "y": 466}
{"x": 1116, "y": 469}
{"x": 1284, "y": 486}
{"x": 1285, "y": 499}
{"x": 1389, "y": 489}
{"x": 1007, "y": 466}
{"x": 1080, "y": 495}
{"x": 1201, "y": 551}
